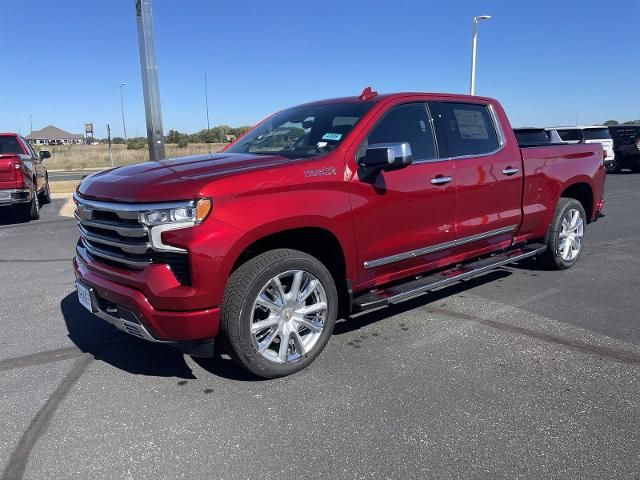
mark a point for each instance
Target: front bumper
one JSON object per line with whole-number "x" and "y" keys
{"x": 130, "y": 311}
{"x": 14, "y": 196}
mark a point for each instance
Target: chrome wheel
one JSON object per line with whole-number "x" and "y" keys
{"x": 288, "y": 316}
{"x": 571, "y": 235}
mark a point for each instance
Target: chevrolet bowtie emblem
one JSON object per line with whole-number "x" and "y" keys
{"x": 85, "y": 213}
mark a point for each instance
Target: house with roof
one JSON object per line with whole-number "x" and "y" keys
{"x": 54, "y": 136}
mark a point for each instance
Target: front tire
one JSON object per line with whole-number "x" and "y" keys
{"x": 45, "y": 196}
{"x": 565, "y": 238}
{"x": 278, "y": 312}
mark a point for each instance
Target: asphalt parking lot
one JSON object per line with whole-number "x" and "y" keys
{"x": 521, "y": 373}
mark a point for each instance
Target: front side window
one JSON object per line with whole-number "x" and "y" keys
{"x": 468, "y": 128}
{"x": 302, "y": 131}
{"x": 407, "y": 123}
{"x": 27, "y": 147}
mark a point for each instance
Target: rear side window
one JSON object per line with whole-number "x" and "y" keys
{"x": 407, "y": 123}
{"x": 10, "y": 145}
{"x": 468, "y": 128}
{"x": 596, "y": 134}
{"x": 570, "y": 135}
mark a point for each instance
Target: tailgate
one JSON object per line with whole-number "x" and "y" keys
{"x": 7, "y": 167}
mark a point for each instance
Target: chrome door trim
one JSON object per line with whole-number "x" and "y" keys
{"x": 436, "y": 248}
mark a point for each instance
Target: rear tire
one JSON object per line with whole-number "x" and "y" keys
{"x": 269, "y": 324}
{"x": 565, "y": 237}
{"x": 29, "y": 211}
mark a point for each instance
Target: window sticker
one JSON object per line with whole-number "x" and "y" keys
{"x": 321, "y": 144}
{"x": 332, "y": 136}
{"x": 471, "y": 125}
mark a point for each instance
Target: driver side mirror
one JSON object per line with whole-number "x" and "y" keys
{"x": 44, "y": 154}
{"x": 387, "y": 156}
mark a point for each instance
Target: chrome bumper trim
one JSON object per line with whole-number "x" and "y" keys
{"x": 6, "y": 196}
{"x": 135, "y": 329}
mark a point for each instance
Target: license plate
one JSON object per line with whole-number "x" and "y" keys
{"x": 84, "y": 296}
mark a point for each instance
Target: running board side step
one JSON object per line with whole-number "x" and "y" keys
{"x": 417, "y": 286}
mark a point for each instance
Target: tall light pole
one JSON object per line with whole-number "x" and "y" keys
{"x": 30, "y": 124}
{"x": 150, "y": 84}
{"x": 474, "y": 44}
{"x": 124, "y": 125}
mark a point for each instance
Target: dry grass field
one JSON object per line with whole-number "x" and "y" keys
{"x": 71, "y": 157}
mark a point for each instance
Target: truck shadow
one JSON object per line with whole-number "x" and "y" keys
{"x": 108, "y": 344}
{"x": 124, "y": 352}
{"x": 9, "y": 216}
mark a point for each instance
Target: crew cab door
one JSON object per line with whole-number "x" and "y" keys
{"x": 400, "y": 215}
{"x": 488, "y": 174}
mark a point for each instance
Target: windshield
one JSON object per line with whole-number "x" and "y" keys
{"x": 302, "y": 131}
{"x": 596, "y": 134}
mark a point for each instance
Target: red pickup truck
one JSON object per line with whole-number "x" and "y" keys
{"x": 24, "y": 183}
{"x": 321, "y": 210}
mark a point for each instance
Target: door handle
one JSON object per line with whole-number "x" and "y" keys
{"x": 440, "y": 180}
{"x": 510, "y": 171}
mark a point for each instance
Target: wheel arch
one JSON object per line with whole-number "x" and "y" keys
{"x": 583, "y": 193}
{"x": 317, "y": 241}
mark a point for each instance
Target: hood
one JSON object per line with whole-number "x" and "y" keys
{"x": 168, "y": 180}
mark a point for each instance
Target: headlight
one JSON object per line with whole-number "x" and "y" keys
{"x": 192, "y": 214}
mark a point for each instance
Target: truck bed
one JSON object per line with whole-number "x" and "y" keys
{"x": 546, "y": 170}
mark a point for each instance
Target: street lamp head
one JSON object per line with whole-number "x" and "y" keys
{"x": 122, "y": 84}
{"x": 479, "y": 18}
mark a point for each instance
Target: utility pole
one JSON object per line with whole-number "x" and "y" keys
{"x": 124, "y": 125}
{"x": 30, "y": 125}
{"x": 206, "y": 102}
{"x": 150, "y": 85}
{"x": 109, "y": 140}
{"x": 474, "y": 47}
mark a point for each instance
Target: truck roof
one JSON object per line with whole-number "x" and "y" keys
{"x": 577, "y": 127}
{"x": 375, "y": 97}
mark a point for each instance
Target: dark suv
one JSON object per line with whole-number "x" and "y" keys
{"x": 626, "y": 140}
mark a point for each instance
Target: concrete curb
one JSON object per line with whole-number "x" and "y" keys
{"x": 62, "y": 170}
{"x": 68, "y": 207}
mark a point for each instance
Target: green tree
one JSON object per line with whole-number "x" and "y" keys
{"x": 183, "y": 142}
{"x": 173, "y": 136}
{"x": 611, "y": 122}
{"x": 136, "y": 144}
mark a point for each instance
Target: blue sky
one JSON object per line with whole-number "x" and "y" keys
{"x": 546, "y": 61}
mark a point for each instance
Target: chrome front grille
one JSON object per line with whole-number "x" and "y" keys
{"x": 125, "y": 241}
{"x": 112, "y": 234}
